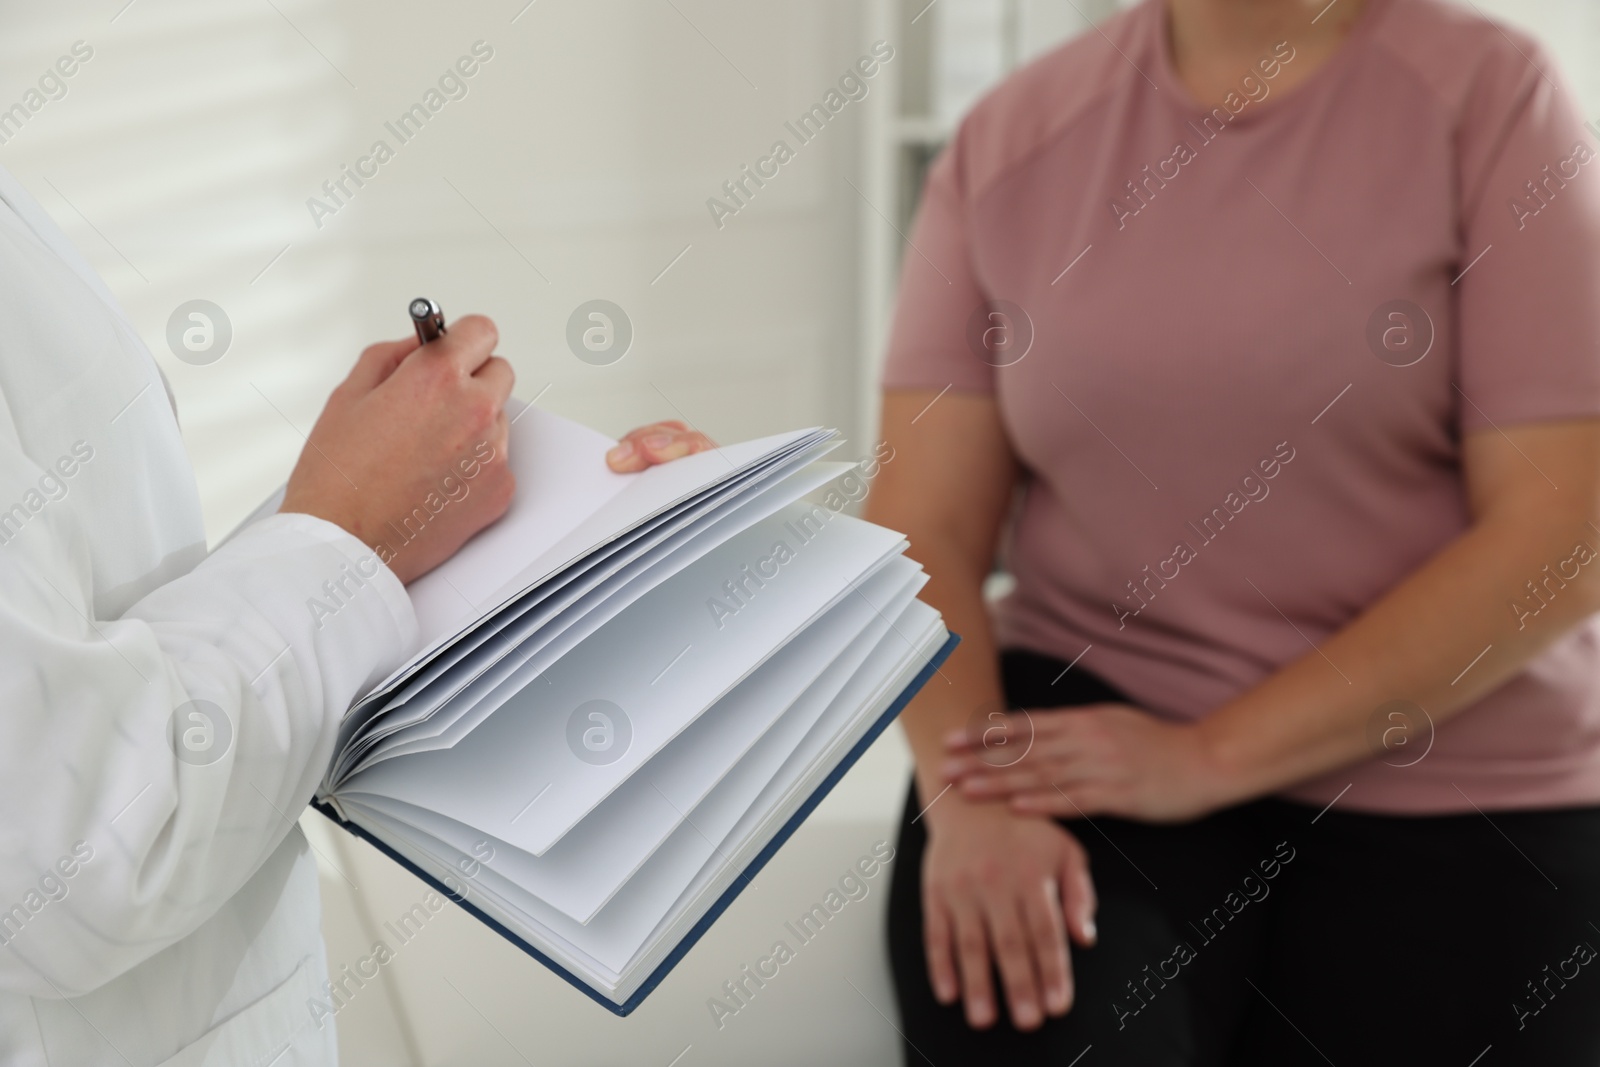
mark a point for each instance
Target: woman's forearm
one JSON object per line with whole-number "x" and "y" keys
{"x": 969, "y": 681}
{"x": 949, "y": 490}
{"x": 1444, "y": 637}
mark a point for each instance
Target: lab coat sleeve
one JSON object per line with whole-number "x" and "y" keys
{"x": 149, "y": 764}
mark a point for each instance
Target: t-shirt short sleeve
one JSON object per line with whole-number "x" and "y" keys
{"x": 1528, "y": 304}
{"x": 940, "y": 297}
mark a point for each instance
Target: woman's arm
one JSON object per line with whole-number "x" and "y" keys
{"x": 1443, "y": 637}
{"x": 996, "y": 885}
{"x": 1534, "y": 492}
{"x": 948, "y": 488}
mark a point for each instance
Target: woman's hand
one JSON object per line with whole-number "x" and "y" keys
{"x": 1110, "y": 759}
{"x": 1005, "y": 888}
{"x": 656, "y": 443}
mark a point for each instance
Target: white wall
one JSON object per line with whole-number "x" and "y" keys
{"x": 1570, "y": 30}
{"x": 181, "y": 159}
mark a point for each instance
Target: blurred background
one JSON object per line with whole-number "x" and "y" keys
{"x": 576, "y": 166}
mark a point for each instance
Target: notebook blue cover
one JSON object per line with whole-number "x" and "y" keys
{"x": 728, "y": 896}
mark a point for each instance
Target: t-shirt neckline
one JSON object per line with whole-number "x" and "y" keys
{"x": 1158, "y": 33}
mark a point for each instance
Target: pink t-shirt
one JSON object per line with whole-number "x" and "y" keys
{"x": 1236, "y": 353}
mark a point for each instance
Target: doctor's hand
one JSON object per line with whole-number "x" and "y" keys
{"x": 409, "y": 455}
{"x": 1003, "y": 891}
{"x": 1111, "y": 759}
{"x": 656, "y": 443}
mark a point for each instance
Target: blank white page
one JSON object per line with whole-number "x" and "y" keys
{"x": 650, "y": 492}
{"x": 755, "y": 795}
{"x": 675, "y": 884}
{"x": 582, "y": 871}
{"x": 914, "y": 638}
{"x": 664, "y": 661}
{"x": 574, "y": 614}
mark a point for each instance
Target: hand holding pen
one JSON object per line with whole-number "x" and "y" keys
{"x": 410, "y": 453}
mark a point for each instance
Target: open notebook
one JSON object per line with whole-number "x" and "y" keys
{"x": 631, "y": 690}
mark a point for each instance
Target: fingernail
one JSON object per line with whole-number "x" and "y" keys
{"x": 982, "y": 1013}
{"x": 1090, "y": 932}
{"x": 1056, "y": 999}
{"x": 621, "y": 452}
{"x": 955, "y": 739}
{"x": 1027, "y": 1014}
{"x": 657, "y": 440}
{"x": 951, "y": 769}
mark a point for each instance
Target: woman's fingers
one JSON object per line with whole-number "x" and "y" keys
{"x": 1051, "y": 741}
{"x": 1042, "y": 913}
{"x": 1038, "y": 772}
{"x": 1067, "y": 751}
{"x": 972, "y": 958}
{"x": 989, "y": 783}
{"x": 938, "y": 943}
{"x": 1078, "y": 901}
{"x": 1022, "y": 760}
{"x": 1075, "y": 800}
{"x": 1014, "y": 952}
{"x": 993, "y": 900}
{"x": 1027, "y": 725}
{"x": 1046, "y": 802}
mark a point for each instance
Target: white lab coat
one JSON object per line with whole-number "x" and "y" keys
{"x": 187, "y": 929}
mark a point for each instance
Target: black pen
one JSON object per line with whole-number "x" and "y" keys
{"x": 427, "y": 318}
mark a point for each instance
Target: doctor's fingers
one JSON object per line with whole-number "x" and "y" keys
{"x": 664, "y": 426}
{"x": 377, "y": 362}
{"x": 483, "y": 410}
{"x": 499, "y": 438}
{"x": 657, "y": 443}
{"x": 495, "y": 477}
{"x": 465, "y": 348}
{"x": 497, "y": 377}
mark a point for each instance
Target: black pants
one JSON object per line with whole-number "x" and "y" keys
{"x": 1267, "y": 935}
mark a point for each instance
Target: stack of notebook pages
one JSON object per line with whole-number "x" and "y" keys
{"x": 631, "y": 690}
